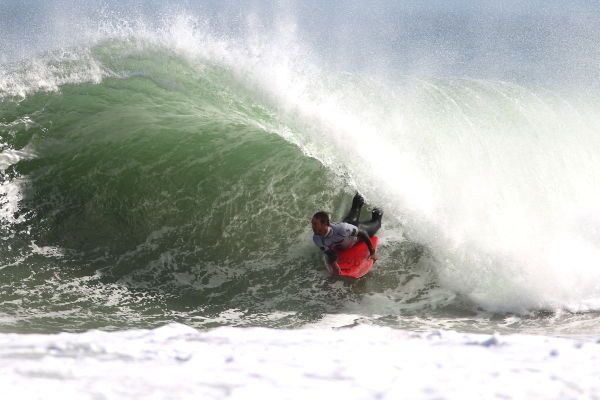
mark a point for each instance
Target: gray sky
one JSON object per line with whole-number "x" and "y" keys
{"x": 552, "y": 41}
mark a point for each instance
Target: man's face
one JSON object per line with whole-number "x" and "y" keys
{"x": 318, "y": 227}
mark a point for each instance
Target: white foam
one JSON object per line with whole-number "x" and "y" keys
{"x": 11, "y": 189}
{"x": 363, "y": 362}
{"x": 49, "y": 72}
{"x": 48, "y": 251}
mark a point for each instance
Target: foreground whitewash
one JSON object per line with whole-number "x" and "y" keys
{"x": 364, "y": 362}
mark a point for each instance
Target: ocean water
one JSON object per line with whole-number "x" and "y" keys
{"x": 160, "y": 164}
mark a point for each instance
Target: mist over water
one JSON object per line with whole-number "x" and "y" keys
{"x": 161, "y": 162}
{"x": 533, "y": 42}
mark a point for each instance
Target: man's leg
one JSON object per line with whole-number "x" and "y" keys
{"x": 372, "y": 226}
{"x": 354, "y": 213}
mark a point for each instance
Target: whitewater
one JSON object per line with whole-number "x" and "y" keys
{"x": 160, "y": 164}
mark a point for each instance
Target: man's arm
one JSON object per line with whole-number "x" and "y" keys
{"x": 364, "y": 236}
{"x": 332, "y": 261}
{"x": 330, "y": 255}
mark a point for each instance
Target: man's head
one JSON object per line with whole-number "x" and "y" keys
{"x": 320, "y": 223}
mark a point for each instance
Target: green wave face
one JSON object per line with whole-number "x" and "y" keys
{"x": 162, "y": 191}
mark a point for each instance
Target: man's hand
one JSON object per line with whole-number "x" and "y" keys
{"x": 334, "y": 268}
{"x": 372, "y": 257}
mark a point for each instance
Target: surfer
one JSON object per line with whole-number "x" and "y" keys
{"x": 332, "y": 237}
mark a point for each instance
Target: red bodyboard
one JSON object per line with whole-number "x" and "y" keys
{"x": 353, "y": 261}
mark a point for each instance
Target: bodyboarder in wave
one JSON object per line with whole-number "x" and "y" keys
{"x": 333, "y": 237}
